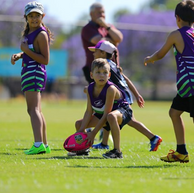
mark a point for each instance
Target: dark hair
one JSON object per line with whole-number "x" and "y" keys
{"x": 99, "y": 63}
{"x": 110, "y": 56}
{"x": 185, "y": 10}
{"x": 26, "y": 30}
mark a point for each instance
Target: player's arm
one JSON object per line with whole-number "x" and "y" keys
{"x": 110, "y": 96}
{"x": 164, "y": 49}
{"x": 16, "y": 57}
{"x": 41, "y": 56}
{"x": 87, "y": 115}
{"x": 139, "y": 98}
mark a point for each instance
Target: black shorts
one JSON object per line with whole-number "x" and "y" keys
{"x": 127, "y": 113}
{"x": 184, "y": 104}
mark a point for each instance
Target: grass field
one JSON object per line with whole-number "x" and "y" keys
{"x": 140, "y": 171}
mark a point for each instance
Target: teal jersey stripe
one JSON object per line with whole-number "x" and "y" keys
{"x": 28, "y": 73}
{"x": 181, "y": 78}
{"x": 28, "y": 85}
{"x": 27, "y": 79}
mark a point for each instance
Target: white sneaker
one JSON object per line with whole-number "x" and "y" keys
{"x": 71, "y": 154}
{"x": 80, "y": 153}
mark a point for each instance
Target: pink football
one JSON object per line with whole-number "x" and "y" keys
{"x": 75, "y": 143}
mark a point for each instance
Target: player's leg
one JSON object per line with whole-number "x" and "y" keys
{"x": 114, "y": 119}
{"x": 140, "y": 127}
{"x": 44, "y": 131}
{"x": 33, "y": 100}
{"x": 178, "y": 125}
{"x": 33, "y": 103}
{"x": 155, "y": 140}
{"x": 93, "y": 122}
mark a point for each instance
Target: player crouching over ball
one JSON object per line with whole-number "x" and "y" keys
{"x": 106, "y": 107}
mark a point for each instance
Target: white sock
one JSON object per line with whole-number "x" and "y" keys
{"x": 37, "y": 144}
{"x": 46, "y": 145}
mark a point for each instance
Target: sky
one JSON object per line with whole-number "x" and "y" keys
{"x": 69, "y": 11}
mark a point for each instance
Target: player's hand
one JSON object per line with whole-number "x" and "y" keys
{"x": 148, "y": 60}
{"x": 90, "y": 137}
{"x": 14, "y": 58}
{"x": 140, "y": 101}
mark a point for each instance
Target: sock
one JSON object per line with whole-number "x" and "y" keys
{"x": 46, "y": 145}
{"x": 37, "y": 144}
{"x": 152, "y": 139}
{"x": 103, "y": 144}
{"x": 182, "y": 149}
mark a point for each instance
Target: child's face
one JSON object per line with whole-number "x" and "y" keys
{"x": 101, "y": 75}
{"x": 34, "y": 19}
{"x": 99, "y": 54}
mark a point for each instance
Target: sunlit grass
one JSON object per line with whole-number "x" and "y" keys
{"x": 140, "y": 171}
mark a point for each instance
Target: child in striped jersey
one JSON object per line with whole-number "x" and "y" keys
{"x": 35, "y": 54}
{"x": 182, "y": 40}
{"x": 106, "y": 107}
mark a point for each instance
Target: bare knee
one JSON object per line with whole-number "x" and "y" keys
{"x": 32, "y": 111}
{"x": 132, "y": 122}
{"x": 78, "y": 124}
{"x": 172, "y": 113}
{"x": 111, "y": 118}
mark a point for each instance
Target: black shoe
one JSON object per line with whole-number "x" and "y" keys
{"x": 113, "y": 154}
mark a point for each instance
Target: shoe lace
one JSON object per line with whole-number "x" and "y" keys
{"x": 171, "y": 152}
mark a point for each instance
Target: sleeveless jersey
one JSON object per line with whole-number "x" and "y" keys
{"x": 118, "y": 79}
{"x": 185, "y": 64}
{"x": 33, "y": 75}
{"x": 98, "y": 103}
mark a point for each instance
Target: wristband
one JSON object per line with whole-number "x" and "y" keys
{"x": 108, "y": 28}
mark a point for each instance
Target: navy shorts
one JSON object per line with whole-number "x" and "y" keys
{"x": 184, "y": 104}
{"x": 127, "y": 113}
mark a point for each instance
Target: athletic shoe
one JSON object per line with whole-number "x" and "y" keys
{"x": 155, "y": 143}
{"x": 100, "y": 146}
{"x": 82, "y": 153}
{"x": 113, "y": 154}
{"x": 36, "y": 150}
{"x": 48, "y": 149}
{"x": 174, "y": 156}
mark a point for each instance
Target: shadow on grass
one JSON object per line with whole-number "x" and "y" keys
{"x": 130, "y": 167}
{"x": 178, "y": 178}
{"x": 22, "y": 149}
{"x": 8, "y": 154}
{"x": 70, "y": 157}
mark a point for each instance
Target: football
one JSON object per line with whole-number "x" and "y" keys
{"x": 76, "y": 143}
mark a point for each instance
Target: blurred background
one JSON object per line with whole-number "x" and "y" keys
{"x": 145, "y": 25}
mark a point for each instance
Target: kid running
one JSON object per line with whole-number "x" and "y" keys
{"x": 35, "y": 55}
{"x": 182, "y": 42}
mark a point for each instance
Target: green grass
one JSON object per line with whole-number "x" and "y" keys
{"x": 140, "y": 171}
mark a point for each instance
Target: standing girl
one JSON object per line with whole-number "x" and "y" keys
{"x": 35, "y": 54}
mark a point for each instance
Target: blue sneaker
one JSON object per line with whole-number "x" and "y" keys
{"x": 155, "y": 143}
{"x": 100, "y": 146}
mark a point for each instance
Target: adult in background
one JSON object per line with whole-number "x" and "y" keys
{"x": 96, "y": 30}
